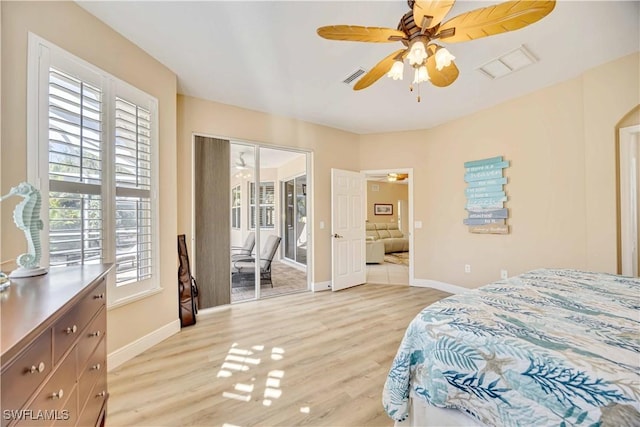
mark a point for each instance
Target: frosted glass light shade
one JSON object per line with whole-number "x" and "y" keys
{"x": 417, "y": 53}
{"x": 421, "y": 75}
{"x": 396, "y": 71}
{"x": 443, "y": 58}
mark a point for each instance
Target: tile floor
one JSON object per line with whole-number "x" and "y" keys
{"x": 286, "y": 280}
{"x": 388, "y": 274}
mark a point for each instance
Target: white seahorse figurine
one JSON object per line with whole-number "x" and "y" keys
{"x": 27, "y": 218}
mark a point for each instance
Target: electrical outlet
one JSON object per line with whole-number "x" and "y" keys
{"x": 504, "y": 274}
{"x": 467, "y": 268}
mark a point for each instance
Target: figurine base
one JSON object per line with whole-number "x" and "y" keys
{"x": 27, "y": 272}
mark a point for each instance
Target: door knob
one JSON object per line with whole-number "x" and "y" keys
{"x": 337, "y": 236}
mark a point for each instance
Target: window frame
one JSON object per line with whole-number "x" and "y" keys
{"x": 236, "y": 209}
{"x": 42, "y": 55}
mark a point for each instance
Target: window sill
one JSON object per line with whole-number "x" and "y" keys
{"x": 133, "y": 298}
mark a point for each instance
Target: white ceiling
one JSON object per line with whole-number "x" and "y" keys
{"x": 266, "y": 56}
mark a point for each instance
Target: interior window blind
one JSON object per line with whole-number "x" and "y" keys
{"x": 75, "y": 171}
{"x": 133, "y": 192}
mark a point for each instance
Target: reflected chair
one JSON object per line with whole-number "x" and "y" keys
{"x": 243, "y": 270}
{"x": 244, "y": 251}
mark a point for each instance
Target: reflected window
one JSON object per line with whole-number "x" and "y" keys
{"x": 266, "y": 204}
{"x": 236, "y": 205}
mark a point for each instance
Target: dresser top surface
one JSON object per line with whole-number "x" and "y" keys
{"x": 31, "y": 302}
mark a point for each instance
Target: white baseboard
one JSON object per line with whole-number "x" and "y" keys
{"x": 321, "y": 286}
{"x": 441, "y": 286}
{"x": 131, "y": 350}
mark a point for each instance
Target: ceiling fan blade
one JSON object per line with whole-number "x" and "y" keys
{"x": 433, "y": 10}
{"x": 357, "y": 33}
{"x": 380, "y": 69}
{"x": 492, "y": 20}
{"x": 444, "y": 77}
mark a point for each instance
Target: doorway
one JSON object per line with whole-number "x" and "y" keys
{"x": 294, "y": 203}
{"x": 389, "y": 226}
{"x": 629, "y": 177}
{"x": 269, "y": 240}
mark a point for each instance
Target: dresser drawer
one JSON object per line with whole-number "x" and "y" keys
{"x": 23, "y": 376}
{"x": 94, "y": 370}
{"x": 97, "y": 398}
{"x": 72, "y": 324}
{"x": 68, "y": 416}
{"x": 91, "y": 336}
{"x": 58, "y": 389}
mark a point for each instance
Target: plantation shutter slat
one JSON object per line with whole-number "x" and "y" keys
{"x": 133, "y": 192}
{"x": 75, "y": 171}
{"x": 266, "y": 200}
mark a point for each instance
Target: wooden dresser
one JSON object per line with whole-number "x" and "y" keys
{"x": 54, "y": 350}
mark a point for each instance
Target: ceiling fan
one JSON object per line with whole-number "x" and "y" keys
{"x": 393, "y": 176}
{"x": 421, "y": 26}
{"x": 240, "y": 163}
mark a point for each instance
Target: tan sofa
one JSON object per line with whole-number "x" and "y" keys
{"x": 390, "y": 235}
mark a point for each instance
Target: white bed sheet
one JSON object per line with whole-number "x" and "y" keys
{"x": 424, "y": 415}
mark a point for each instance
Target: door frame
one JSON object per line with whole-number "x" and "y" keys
{"x": 410, "y": 191}
{"x": 282, "y": 181}
{"x": 629, "y": 138}
{"x": 310, "y": 191}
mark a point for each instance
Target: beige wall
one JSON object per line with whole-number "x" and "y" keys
{"x": 562, "y": 207}
{"x": 388, "y": 193}
{"x": 610, "y": 93}
{"x": 73, "y": 29}
{"x": 331, "y": 148}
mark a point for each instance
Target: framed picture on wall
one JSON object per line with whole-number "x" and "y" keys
{"x": 382, "y": 209}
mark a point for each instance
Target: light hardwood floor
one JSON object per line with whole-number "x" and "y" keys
{"x": 298, "y": 360}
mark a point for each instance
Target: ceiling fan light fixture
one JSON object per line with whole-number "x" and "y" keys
{"x": 423, "y": 24}
{"x": 443, "y": 58}
{"x": 417, "y": 53}
{"x": 421, "y": 75}
{"x": 394, "y": 176}
{"x": 397, "y": 70}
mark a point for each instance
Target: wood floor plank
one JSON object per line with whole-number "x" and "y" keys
{"x": 309, "y": 359}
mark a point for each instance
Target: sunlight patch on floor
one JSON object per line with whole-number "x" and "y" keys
{"x": 242, "y": 360}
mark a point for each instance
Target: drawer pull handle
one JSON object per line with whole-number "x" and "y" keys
{"x": 99, "y": 296}
{"x": 101, "y": 394}
{"x": 71, "y": 330}
{"x": 96, "y": 367}
{"x": 39, "y": 368}
{"x": 95, "y": 334}
{"x": 58, "y": 394}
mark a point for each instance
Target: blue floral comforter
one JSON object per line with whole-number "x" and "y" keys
{"x": 549, "y": 347}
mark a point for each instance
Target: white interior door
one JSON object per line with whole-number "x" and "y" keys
{"x": 347, "y": 229}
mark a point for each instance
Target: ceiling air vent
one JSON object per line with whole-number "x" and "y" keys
{"x": 508, "y": 63}
{"x": 351, "y": 77}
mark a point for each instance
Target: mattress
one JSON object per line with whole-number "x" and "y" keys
{"x": 548, "y": 347}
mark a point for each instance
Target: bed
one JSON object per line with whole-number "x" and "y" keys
{"x": 548, "y": 347}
